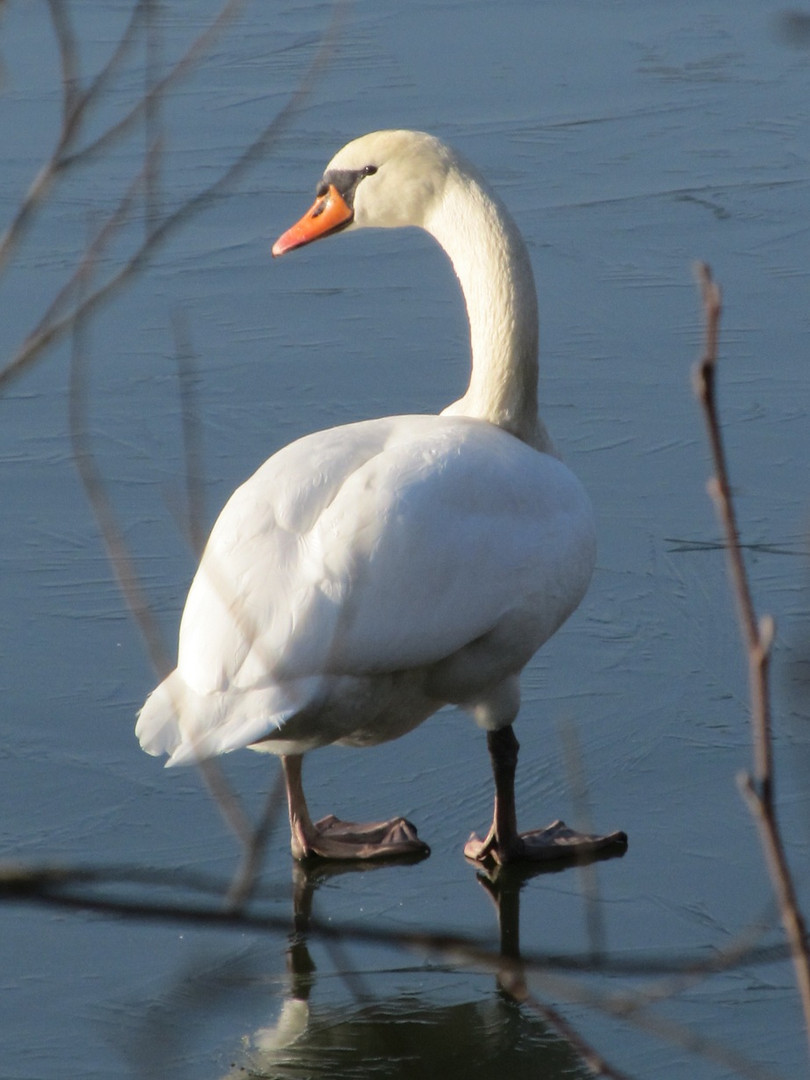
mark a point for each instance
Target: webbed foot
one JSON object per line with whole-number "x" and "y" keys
{"x": 556, "y": 841}
{"x": 331, "y": 838}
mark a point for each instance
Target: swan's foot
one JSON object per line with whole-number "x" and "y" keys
{"x": 556, "y": 841}
{"x": 331, "y": 838}
{"x": 504, "y": 845}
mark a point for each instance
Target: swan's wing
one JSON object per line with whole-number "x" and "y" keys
{"x": 376, "y": 547}
{"x": 436, "y": 539}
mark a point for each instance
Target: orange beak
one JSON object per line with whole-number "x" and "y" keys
{"x": 328, "y": 213}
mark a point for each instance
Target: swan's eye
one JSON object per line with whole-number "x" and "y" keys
{"x": 344, "y": 181}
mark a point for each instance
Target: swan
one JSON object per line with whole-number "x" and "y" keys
{"x": 368, "y": 575}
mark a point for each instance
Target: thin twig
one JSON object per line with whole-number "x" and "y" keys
{"x": 93, "y": 251}
{"x": 152, "y": 118}
{"x": 90, "y": 476}
{"x": 99, "y": 83}
{"x": 194, "y": 524}
{"x": 47, "y": 882}
{"x": 19, "y": 880}
{"x": 515, "y": 986}
{"x": 54, "y": 890}
{"x": 78, "y": 106}
{"x": 124, "y": 567}
{"x": 198, "y": 48}
{"x": 633, "y": 1009}
{"x": 575, "y": 769}
{"x": 49, "y": 334}
{"x": 757, "y": 638}
{"x": 68, "y": 57}
{"x": 247, "y": 875}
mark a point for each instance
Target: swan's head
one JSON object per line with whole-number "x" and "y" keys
{"x": 386, "y": 179}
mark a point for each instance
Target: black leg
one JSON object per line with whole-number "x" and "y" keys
{"x": 503, "y": 844}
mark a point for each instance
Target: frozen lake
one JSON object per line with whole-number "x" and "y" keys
{"x": 628, "y": 140}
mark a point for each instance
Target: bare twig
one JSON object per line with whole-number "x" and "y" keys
{"x": 152, "y": 115}
{"x": 584, "y": 822}
{"x": 593, "y": 1060}
{"x": 252, "y": 840}
{"x": 758, "y": 638}
{"x": 93, "y": 483}
{"x": 77, "y": 106}
{"x": 634, "y": 1009}
{"x": 49, "y": 333}
{"x": 77, "y": 282}
{"x": 246, "y": 878}
{"x": 192, "y": 435}
{"x": 66, "y": 889}
{"x": 68, "y": 56}
{"x": 50, "y": 883}
{"x": 182, "y": 67}
{"x": 83, "y": 301}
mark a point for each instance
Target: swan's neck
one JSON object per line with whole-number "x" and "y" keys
{"x": 495, "y": 274}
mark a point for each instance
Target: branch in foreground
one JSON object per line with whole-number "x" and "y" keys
{"x": 77, "y": 106}
{"x": 757, "y": 637}
{"x": 50, "y": 331}
{"x": 251, "y": 839}
{"x": 70, "y": 885}
{"x": 77, "y": 889}
{"x": 83, "y": 300}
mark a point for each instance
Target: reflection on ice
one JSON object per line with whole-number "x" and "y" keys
{"x": 409, "y": 1034}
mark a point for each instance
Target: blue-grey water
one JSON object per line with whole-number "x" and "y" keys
{"x": 629, "y": 139}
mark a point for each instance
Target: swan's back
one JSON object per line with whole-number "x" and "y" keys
{"x": 364, "y": 550}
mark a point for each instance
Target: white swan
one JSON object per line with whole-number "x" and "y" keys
{"x": 367, "y": 575}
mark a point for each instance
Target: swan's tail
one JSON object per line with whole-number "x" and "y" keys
{"x": 158, "y": 726}
{"x": 189, "y": 727}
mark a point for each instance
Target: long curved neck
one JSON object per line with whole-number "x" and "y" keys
{"x": 493, "y": 268}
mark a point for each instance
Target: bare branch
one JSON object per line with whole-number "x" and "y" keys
{"x": 757, "y": 637}
{"x": 103, "y": 78}
{"x": 95, "y": 491}
{"x": 49, "y": 883}
{"x": 77, "y": 106}
{"x": 247, "y": 876}
{"x": 66, "y": 889}
{"x": 68, "y": 56}
{"x": 227, "y": 802}
{"x": 152, "y": 115}
{"x": 252, "y": 840}
{"x": 584, "y": 822}
{"x": 48, "y": 334}
{"x": 634, "y": 1009}
{"x": 187, "y": 63}
{"x": 598, "y": 1064}
{"x": 193, "y": 525}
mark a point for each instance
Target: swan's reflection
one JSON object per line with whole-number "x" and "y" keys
{"x": 409, "y": 1035}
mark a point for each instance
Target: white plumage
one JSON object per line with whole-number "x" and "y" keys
{"x": 366, "y": 575}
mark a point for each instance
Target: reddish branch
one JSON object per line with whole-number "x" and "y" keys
{"x": 758, "y": 789}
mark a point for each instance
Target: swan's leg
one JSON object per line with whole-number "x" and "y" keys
{"x": 503, "y": 844}
{"x": 330, "y": 838}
